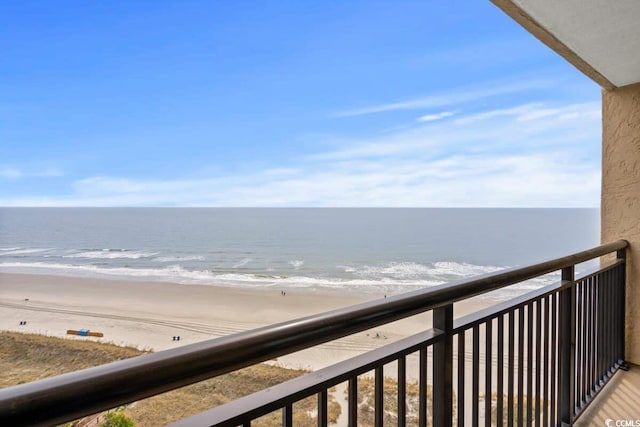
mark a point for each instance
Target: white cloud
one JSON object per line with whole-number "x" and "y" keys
{"x": 463, "y": 180}
{"x": 450, "y": 98}
{"x": 11, "y": 173}
{"x": 49, "y": 173}
{"x": 529, "y": 155}
{"x": 16, "y": 173}
{"x": 528, "y": 126}
{"x": 435, "y": 117}
{"x": 537, "y": 111}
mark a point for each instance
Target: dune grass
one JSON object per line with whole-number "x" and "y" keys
{"x": 26, "y": 357}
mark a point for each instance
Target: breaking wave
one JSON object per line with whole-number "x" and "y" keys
{"x": 21, "y": 251}
{"x": 388, "y": 278}
{"x": 112, "y": 254}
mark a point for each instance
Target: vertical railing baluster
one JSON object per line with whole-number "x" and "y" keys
{"x": 607, "y": 325}
{"x": 584, "y": 366}
{"x": 538, "y": 345}
{"x": 353, "y": 402}
{"x": 402, "y": 391}
{"x": 461, "y": 374}
{"x": 589, "y": 344}
{"x": 545, "y": 365}
{"x": 613, "y": 363}
{"x": 611, "y": 331}
{"x": 488, "y": 346}
{"x": 500, "y": 369}
{"x": 587, "y": 325}
{"x": 602, "y": 282}
{"x": 597, "y": 332}
{"x": 475, "y": 369}
{"x": 323, "y": 398}
{"x": 287, "y": 415}
{"x": 596, "y": 335}
{"x": 603, "y": 312}
{"x": 584, "y": 363}
{"x": 610, "y": 324}
{"x": 510, "y": 368}
{"x": 602, "y": 328}
{"x": 622, "y": 281}
{"x": 554, "y": 359}
{"x": 579, "y": 343}
{"x": 567, "y": 346}
{"x": 422, "y": 398}
{"x": 592, "y": 336}
{"x": 443, "y": 367}
{"x": 621, "y": 314}
{"x": 521, "y": 366}
{"x": 619, "y": 310}
{"x": 614, "y": 314}
{"x": 529, "y": 363}
{"x": 378, "y": 396}
{"x": 622, "y": 255}
{"x": 614, "y": 308}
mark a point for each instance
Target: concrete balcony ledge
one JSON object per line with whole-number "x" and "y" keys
{"x": 618, "y": 403}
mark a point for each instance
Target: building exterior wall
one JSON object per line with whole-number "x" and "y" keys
{"x": 620, "y": 207}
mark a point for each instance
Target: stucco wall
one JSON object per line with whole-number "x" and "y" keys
{"x": 621, "y": 194}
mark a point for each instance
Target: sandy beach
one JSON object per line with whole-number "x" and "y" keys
{"x": 147, "y": 315}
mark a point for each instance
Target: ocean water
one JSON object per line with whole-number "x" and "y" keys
{"x": 351, "y": 250}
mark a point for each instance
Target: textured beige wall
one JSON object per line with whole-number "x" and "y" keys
{"x": 621, "y": 193}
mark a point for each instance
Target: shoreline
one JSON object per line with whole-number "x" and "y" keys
{"x": 147, "y": 315}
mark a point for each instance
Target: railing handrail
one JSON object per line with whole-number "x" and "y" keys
{"x": 73, "y": 395}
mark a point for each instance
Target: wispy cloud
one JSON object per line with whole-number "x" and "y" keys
{"x": 10, "y": 172}
{"x": 462, "y": 181}
{"x": 435, "y": 116}
{"x": 542, "y": 154}
{"x": 521, "y": 128}
{"x": 458, "y": 96}
{"x": 536, "y": 111}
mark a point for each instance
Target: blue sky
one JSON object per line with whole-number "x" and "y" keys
{"x": 289, "y": 103}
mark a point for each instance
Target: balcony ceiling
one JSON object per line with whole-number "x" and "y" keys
{"x": 599, "y": 37}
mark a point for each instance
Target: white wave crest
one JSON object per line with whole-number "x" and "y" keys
{"x": 390, "y": 278}
{"x": 296, "y": 263}
{"x": 464, "y": 269}
{"x": 242, "y": 263}
{"x": 20, "y": 251}
{"x": 179, "y": 258}
{"x": 439, "y": 271}
{"x": 111, "y": 254}
{"x": 178, "y": 274}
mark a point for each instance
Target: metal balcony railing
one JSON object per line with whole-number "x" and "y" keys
{"x": 545, "y": 356}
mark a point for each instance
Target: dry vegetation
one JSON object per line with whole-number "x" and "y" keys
{"x": 366, "y": 406}
{"x": 207, "y": 394}
{"x": 25, "y": 358}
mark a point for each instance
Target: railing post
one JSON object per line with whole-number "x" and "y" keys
{"x": 443, "y": 367}
{"x": 567, "y": 343}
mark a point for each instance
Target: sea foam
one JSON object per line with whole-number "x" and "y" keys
{"x": 21, "y": 251}
{"x": 112, "y": 254}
